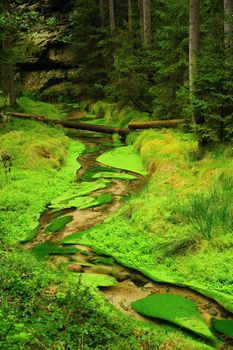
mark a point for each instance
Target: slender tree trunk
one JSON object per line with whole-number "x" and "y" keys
{"x": 130, "y": 16}
{"x": 228, "y": 27}
{"x": 112, "y": 16}
{"x": 193, "y": 46}
{"x": 8, "y": 75}
{"x": 101, "y": 8}
{"x": 140, "y": 10}
{"x": 146, "y": 23}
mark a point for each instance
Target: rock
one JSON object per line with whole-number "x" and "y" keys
{"x": 149, "y": 285}
{"x": 121, "y": 276}
{"x": 75, "y": 268}
{"x": 213, "y": 312}
{"x": 57, "y": 55}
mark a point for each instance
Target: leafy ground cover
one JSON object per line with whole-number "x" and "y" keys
{"x": 167, "y": 236}
{"x": 125, "y": 158}
{"x": 44, "y": 308}
{"x": 58, "y": 224}
{"x": 223, "y": 326}
{"x": 175, "y": 309}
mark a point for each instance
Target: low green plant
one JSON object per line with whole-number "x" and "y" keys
{"x": 44, "y": 250}
{"x": 210, "y": 212}
{"x": 173, "y": 308}
{"x": 223, "y": 326}
{"x": 58, "y": 224}
{"x": 125, "y": 158}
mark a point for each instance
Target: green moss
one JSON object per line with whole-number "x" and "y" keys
{"x": 223, "y": 326}
{"x": 175, "y": 309}
{"x": 81, "y": 189}
{"x": 44, "y": 166}
{"x": 123, "y": 158}
{"x": 85, "y": 202}
{"x": 58, "y": 224}
{"x": 44, "y": 250}
{"x": 88, "y": 175}
{"x": 97, "y": 280}
{"x": 45, "y": 109}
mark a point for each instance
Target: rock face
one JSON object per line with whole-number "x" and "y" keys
{"x": 48, "y": 69}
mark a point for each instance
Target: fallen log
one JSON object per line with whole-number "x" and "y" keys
{"x": 74, "y": 125}
{"x": 157, "y": 124}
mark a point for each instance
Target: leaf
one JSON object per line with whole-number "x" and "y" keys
{"x": 175, "y": 309}
{"x": 58, "y": 223}
{"x": 125, "y": 158}
{"x": 82, "y": 189}
{"x": 85, "y": 202}
{"x": 43, "y": 250}
{"x": 223, "y": 326}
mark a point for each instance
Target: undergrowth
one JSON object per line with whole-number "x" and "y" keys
{"x": 180, "y": 226}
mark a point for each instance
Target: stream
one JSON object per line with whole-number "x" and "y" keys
{"x": 132, "y": 285}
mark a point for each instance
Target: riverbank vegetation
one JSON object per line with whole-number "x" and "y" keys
{"x": 77, "y": 207}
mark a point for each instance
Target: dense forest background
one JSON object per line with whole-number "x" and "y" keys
{"x": 134, "y": 53}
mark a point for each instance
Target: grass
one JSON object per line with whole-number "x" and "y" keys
{"x": 165, "y": 228}
{"x": 41, "y": 307}
{"x": 44, "y": 166}
{"x": 45, "y": 109}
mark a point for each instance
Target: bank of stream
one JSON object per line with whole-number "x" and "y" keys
{"x": 131, "y": 284}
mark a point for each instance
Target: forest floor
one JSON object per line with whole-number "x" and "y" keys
{"x": 172, "y": 235}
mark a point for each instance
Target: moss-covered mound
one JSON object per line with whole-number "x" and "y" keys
{"x": 125, "y": 158}
{"x": 223, "y": 326}
{"x": 175, "y": 309}
{"x": 58, "y": 224}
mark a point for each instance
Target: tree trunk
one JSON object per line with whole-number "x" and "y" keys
{"x": 193, "y": 47}
{"x": 112, "y": 16}
{"x": 101, "y": 8}
{"x": 130, "y": 16}
{"x": 8, "y": 75}
{"x": 146, "y": 23}
{"x": 228, "y": 23}
{"x": 140, "y": 10}
{"x": 73, "y": 125}
{"x": 157, "y": 124}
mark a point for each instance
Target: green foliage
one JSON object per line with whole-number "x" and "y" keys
{"x": 123, "y": 158}
{"x": 210, "y": 213}
{"x": 223, "y": 326}
{"x": 40, "y": 108}
{"x": 81, "y": 189}
{"x": 84, "y": 202}
{"x": 38, "y": 153}
{"x": 175, "y": 309}
{"x": 44, "y": 250}
{"x": 88, "y": 175}
{"x": 58, "y": 224}
{"x": 97, "y": 280}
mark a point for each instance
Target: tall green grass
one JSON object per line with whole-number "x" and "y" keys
{"x": 210, "y": 213}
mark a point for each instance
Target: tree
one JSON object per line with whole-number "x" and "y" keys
{"x": 7, "y": 28}
{"x": 140, "y": 13}
{"x": 101, "y": 7}
{"x": 112, "y": 16}
{"x": 147, "y": 23}
{"x": 130, "y": 16}
{"x": 228, "y": 23}
{"x": 193, "y": 46}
